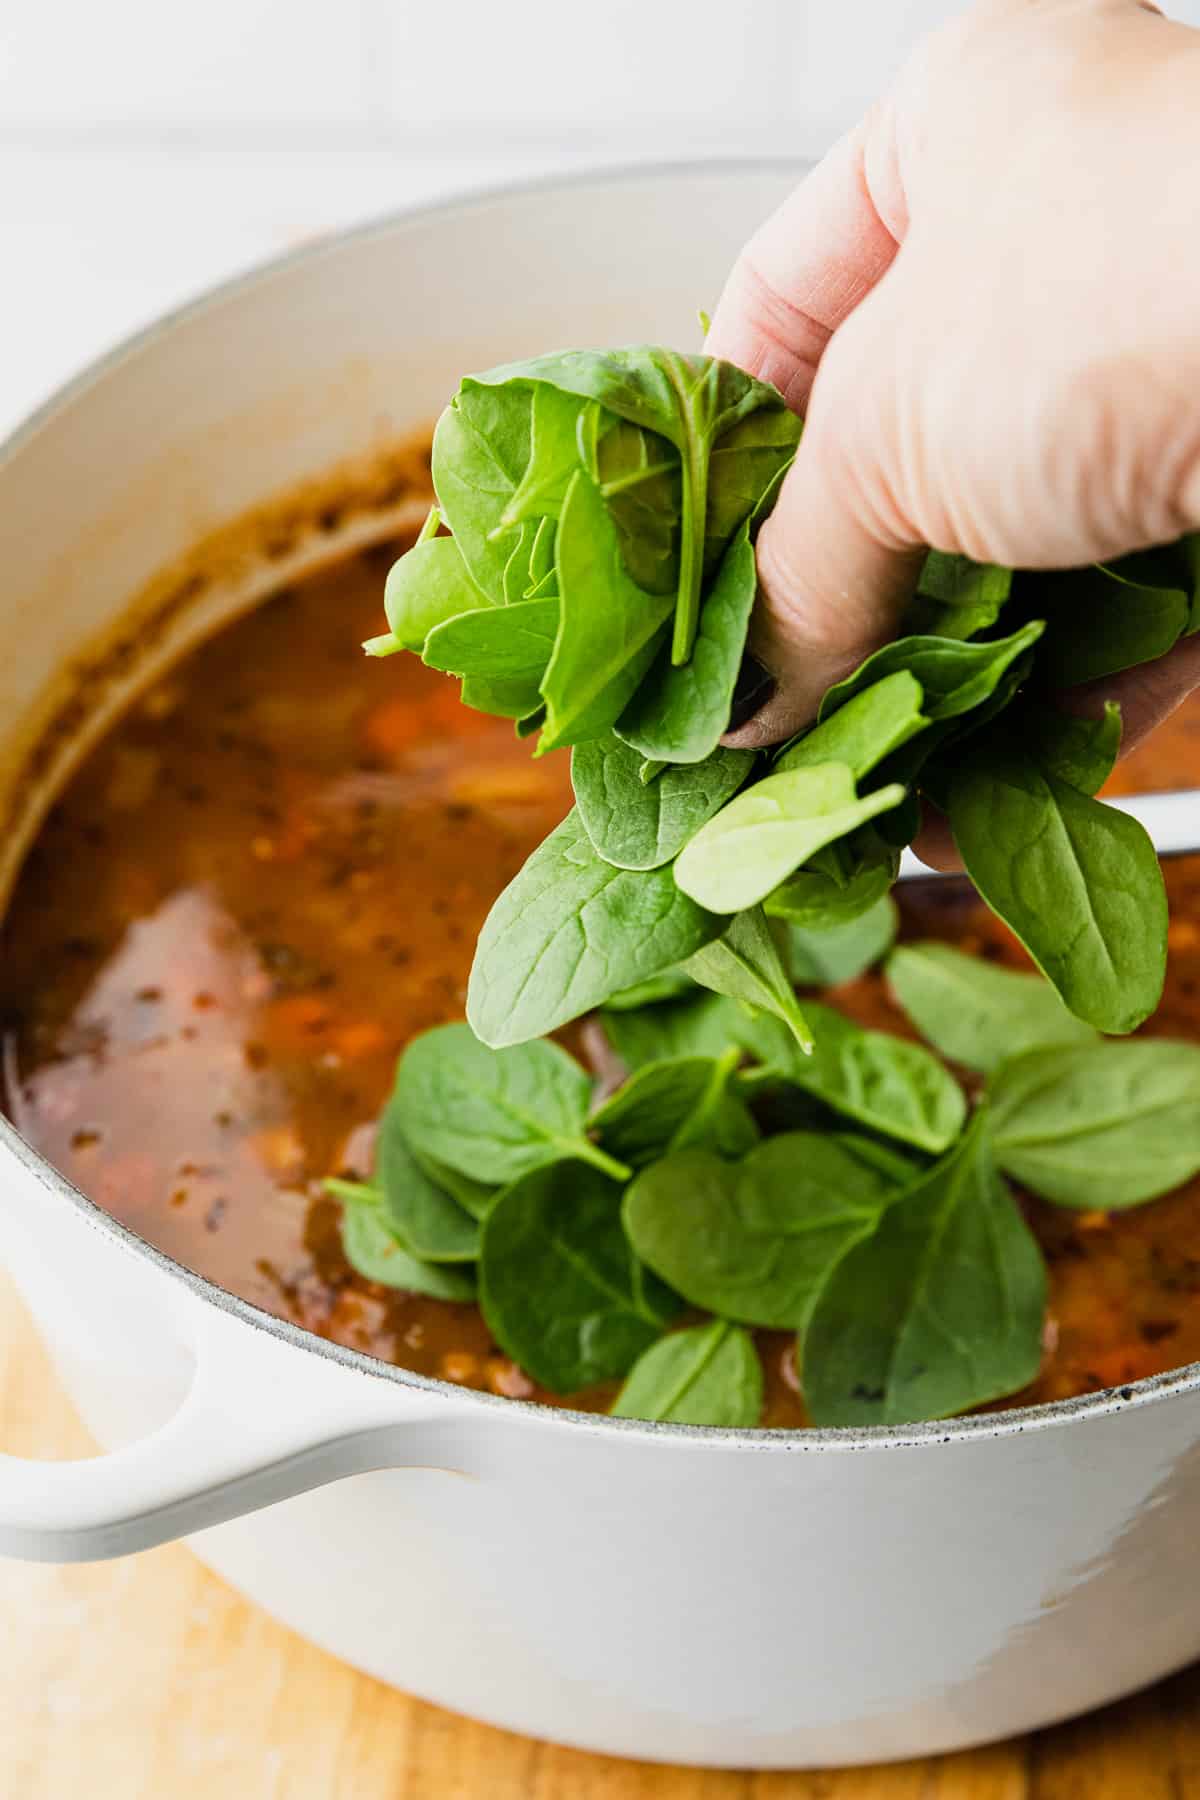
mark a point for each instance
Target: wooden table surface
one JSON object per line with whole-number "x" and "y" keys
{"x": 149, "y": 1679}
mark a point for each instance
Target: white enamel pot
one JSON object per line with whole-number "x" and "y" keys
{"x": 716, "y": 1597}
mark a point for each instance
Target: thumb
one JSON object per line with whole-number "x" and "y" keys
{"x": 835, "y": 562}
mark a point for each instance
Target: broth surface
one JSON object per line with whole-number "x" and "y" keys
{"x": 270, "y": 875}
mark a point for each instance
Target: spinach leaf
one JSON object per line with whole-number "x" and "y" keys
{"x": 968, "y": 596}
{"x": 474, "y": 1196}
{"x": 1099, "y": 1126}
{"x": 761, "y": 836}
{"x": 1099, "y": 622}
{"x": 679, "y": 713}
{"x": 897, "y": 1166}
{"x": 501, "y": 654}
{"x": 638, "y": 475}
{"x": 861, "y": 733}
{"x": 542, "y": 581}
{"x": 553, "y": 459}
{"x": 635, "y": 825}
{"x": 518, "y": 570}
{"x": 493, "y": 1114}
{"x": 975, "y": 1013}
{"x": 754, "y": 1241}
{"x": 609, "y": 628}
{"x": 845, "y": 950}
{"x": 1078, "y": 882}
{"x": 502, "y": 697}
{"x": 371, "y": 1247}
{"x": 531, "y": 722}
{"x": 745, "y": 472}
{"x": 706, "y": 1375}
{"x": 1080, "y": 752}
{"x": 954, "y": 676}
{"x": 503, "y": 641}
{"x": 559, "y": 1286}
{"x": 745, "y": 965}
{"x": 481, "y": 449}
{"x": 672, "y": 984}
{"x": 672, "y": 1104}
{"x": 1189, "y": 547}
{"x": 939, "y": 1310}
{"x": 838, "y": 884}
{"x": 698, "y": 1025}
{"x": 692, "y": 401}
{"x": 569, "y": 931}
{"x": 426, "y": 586}
{"x": 894, "y": 1087}
{"x": 428, "y": 1221}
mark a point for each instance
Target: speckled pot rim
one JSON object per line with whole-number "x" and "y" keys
{"x": 936, "y": 1433}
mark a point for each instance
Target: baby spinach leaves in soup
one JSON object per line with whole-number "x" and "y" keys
{"x": 672, "y": 1104}
{"x": 755, "y": 1241}
{"x": 474, "y": 1197}
{"x": 372, "y": 1249}
{"x": 427, "y": 1219}
{"x": 845, "y": 950}
{"x": 704, "y": 1375}
{"x": 569, "y": 931}
{"x": 693, "y": 1024}
{"x": 1099, "y": 1125}
{"x": 672, "y": 984}
{"x": 638, "y": 825}
{"x": 494, "y": 1114}
{"x": 882, "y": 1082}
{"x": 975, "y": 1013}
{"x": 560, "y": 1288}
{"x": 1078, "y": 882}
{"x": 938, "y": 1310}
{"x": 759, "y": 838}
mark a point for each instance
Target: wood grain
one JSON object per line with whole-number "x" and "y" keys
{"x": 147, "y": 1678}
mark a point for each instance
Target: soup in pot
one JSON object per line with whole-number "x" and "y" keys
{"x": 269, "y": 876}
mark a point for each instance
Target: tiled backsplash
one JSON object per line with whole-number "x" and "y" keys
{"x": 150, "y": 147}
{"x": 734, "y": 74}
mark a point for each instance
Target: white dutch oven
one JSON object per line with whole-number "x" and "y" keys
{"x": 705, "y": 1596}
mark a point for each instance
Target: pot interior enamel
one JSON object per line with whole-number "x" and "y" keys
{"x": 745, "y": 1600}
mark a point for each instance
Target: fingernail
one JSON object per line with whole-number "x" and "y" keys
{"x": 752, "y": 690}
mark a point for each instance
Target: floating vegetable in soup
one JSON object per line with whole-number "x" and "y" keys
{"x": 268, "y": 880}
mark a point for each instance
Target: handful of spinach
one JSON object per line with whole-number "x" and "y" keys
{"x": 596, "y": 587}
{"x": 874, "y": 1220}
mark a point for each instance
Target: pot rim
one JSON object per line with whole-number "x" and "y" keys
{"x": 759, "y": 1440}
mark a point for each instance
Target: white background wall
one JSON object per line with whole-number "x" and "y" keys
{"x": 148, "y": 147}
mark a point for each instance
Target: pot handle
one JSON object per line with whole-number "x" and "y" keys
{"x": 252, "y": 1429}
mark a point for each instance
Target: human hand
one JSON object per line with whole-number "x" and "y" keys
{"x": 984, "y": 302}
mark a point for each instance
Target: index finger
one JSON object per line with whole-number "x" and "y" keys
{"x": 814, "y": 259}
